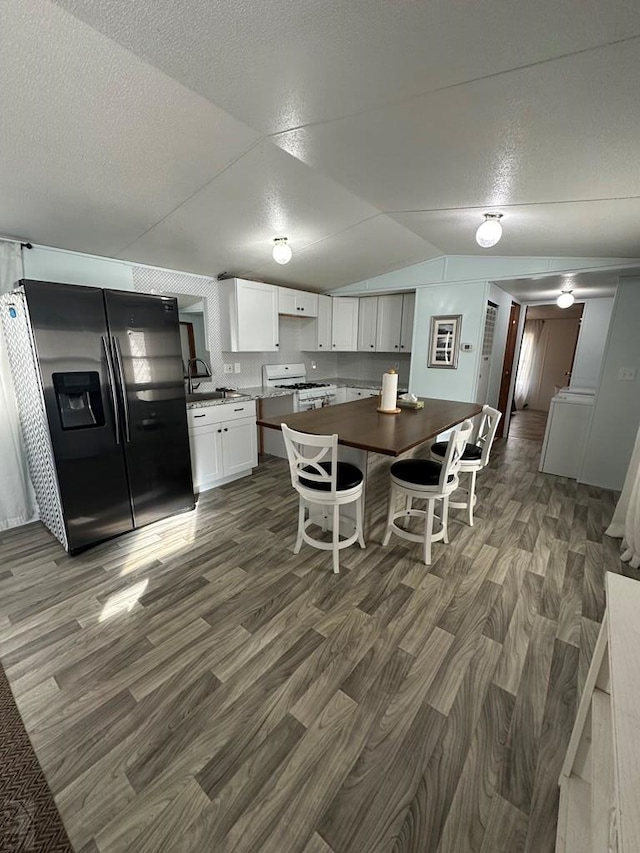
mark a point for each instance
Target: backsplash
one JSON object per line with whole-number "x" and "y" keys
{"x": 371, "y": 365}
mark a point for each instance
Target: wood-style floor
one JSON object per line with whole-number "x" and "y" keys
{"x": 528, "y": 423}
{"x": 195, "y": 686}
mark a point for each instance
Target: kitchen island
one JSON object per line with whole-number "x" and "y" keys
{"x": 367, "y": 437}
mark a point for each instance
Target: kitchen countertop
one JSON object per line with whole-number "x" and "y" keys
{"x": 258, "y": 392}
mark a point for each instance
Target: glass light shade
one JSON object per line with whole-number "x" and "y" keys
{"x": 566, "y": 299}
{"x": 489, "y": 233}
{"x": 282, "y": 251}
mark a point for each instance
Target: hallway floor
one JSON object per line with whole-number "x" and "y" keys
{"x": 529, "y": 424}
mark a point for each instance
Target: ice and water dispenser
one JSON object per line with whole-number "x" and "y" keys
{"x": 78, "y": 399}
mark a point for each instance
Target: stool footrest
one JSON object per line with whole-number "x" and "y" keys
{"x": 416, "y": 537}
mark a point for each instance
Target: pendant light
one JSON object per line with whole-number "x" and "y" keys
{"x": 490, "y": 232}
{"x": 281, "y": 250}
{"x": 566, "y": 299}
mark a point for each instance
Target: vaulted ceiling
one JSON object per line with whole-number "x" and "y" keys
{"x": 372, "y": 133}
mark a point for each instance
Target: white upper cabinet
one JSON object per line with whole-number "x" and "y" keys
{"x": 406, "y": 329}
{"x": 344, "y": 331}
{"x": 297, "y": 303}
{"x": 286, "y": 301}
{"x": 316, "y": 333}
{"x": 389, "y": 323}
{"x": 394, "y": 329}
{"x": 248, "y": 315}
{"x": 367, "y": 322}
{"x": 323, "y": 325}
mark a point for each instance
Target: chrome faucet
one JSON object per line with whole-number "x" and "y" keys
{"x": 193, "y": 361}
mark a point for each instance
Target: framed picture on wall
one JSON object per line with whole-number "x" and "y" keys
{"x": 444, "y": 343}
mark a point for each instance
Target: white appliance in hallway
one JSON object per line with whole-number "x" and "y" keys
{"x": 566, "y": 432}
{"x": 305, "y": 395}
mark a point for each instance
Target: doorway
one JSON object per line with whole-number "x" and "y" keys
{"x": 549, "y": 341}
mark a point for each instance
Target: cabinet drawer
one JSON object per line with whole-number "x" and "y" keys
{"x": 233, "y": 411}
{"x": 217, "y": 414}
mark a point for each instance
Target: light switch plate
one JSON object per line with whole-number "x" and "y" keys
{"x": 237, "y": 367}
{"x": 627, "y": 374}
{"x": 228, "y": 368}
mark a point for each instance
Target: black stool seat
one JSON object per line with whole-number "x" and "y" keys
{"x": 421, "y": 472}
{"x": 349, "y": 476}
{"x": 471, "y": 453}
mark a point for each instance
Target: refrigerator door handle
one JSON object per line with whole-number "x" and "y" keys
{"x": 123, "y": 387}
{"x": 112, "y": 388}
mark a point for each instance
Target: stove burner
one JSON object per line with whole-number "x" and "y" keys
{"x": 303, "y": 386}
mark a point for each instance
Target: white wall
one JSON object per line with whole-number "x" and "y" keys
{"x": 45, "y": 264}
{"x": 616, "y": 411}
{"x": 591, "y": 342}
{"x": 468, "y": 299}
{"x": 503, "y": 300}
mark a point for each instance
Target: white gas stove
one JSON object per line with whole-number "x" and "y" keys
{"x": 308, "y": 395}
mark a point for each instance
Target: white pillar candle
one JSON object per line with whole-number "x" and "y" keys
{"x": 389, "y": 391}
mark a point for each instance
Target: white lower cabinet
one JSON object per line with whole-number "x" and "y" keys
{"x": 239, "y": 446}
{"x": 223, "y": 443}
{"x": 360, "y": 393}
{"x": 205, "y": 444}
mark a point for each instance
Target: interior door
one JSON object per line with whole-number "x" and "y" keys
{"x": 145, "y": 338}
{"x": 70, "y": 332}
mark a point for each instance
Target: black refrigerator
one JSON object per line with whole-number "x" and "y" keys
{"x": 99, "y": 380}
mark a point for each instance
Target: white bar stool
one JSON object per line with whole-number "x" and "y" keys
{"x": 320, "y": 479}
{"x": 427, "y": 480}
{"x": 475, "y": 457}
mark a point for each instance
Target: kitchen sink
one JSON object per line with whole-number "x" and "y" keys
{"x": 215, "y": 395}
{"x": 205, "y": 395}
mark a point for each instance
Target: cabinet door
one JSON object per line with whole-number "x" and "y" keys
{"x": 239, "y": 445}
{"x": 367, "y": 320}
{"x": 324, "y": 323}
{"x": 306, "y": 304}
{"x": 406, "y": 332}
{"x": 205, "y": 445}
{"x": 345, "y": 324}
{"x": 389, "y": 323}
{"x": 257, "y": 306}
{"x": 286, "y": 300}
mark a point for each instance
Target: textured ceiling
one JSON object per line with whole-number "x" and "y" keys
{"x": 583, "y": 285}
{"x": 372, "y": 133}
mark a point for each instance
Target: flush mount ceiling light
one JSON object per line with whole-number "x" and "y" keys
{"x": 566, "y": 299}
{"x": 281, "y": 250}
{"x": 490, "y": 232}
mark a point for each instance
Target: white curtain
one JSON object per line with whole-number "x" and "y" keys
{"x": 530, "y": 363}
{"x": 625, "y": 523}
{"x": 17, "y": 501}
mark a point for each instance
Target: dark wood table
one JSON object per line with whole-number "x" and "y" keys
{"x": 368, "y": 438}
{"x": 359, "y": 425}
